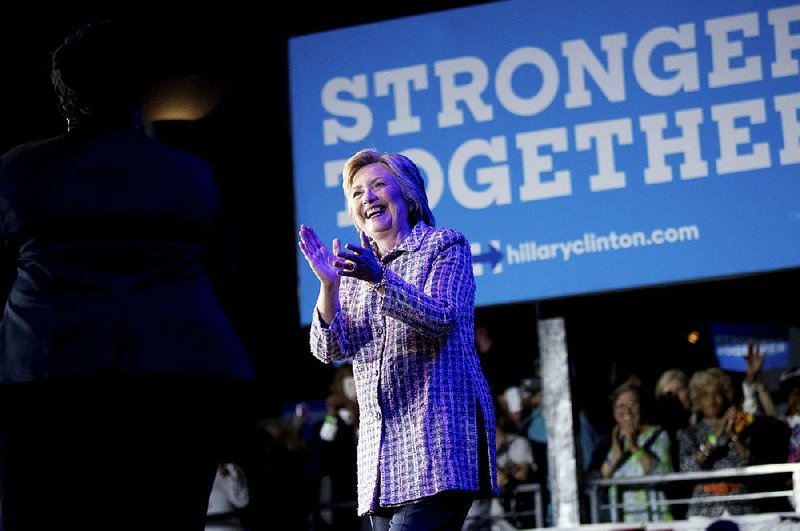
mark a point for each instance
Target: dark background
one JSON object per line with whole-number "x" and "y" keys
{"x": 246, "y": 139}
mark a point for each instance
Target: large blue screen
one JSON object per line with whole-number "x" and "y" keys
{"x": 581, "y": 146}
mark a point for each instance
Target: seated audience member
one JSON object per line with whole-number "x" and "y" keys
{"x": 637, "y": 449}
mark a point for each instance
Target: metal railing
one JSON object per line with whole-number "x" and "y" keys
{"x": 596, "y": 487}
{"x": 520, "y": 493}
{"x": 535, "y": 490}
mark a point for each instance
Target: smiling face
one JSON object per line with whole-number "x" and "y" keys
{"x": 627, "y": 408}
{"x": 712, "y": 402}
{"x": 378, "y": 206}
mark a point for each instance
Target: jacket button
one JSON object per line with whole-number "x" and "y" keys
{"x": 379, "y": 331}
{"x": 377, "y": 415}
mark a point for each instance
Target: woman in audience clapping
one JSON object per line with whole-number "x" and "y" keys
{"x": 637, "y": 449}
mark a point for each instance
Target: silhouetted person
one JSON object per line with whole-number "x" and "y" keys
{"x": 118, "y": 365}
{"x": 333, "y": 447}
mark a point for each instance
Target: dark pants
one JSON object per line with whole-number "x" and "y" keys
{"x": 441, "y": 512}
{"x": 112, "y": 452}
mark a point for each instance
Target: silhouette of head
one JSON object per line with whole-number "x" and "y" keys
{"x": 723, "y": 525}
{"x": 100, "y": 74}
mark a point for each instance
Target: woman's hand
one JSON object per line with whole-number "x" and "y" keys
{"x": 616, "y": 443}
{"x": 360, "y": 262}
{"x": 614, "y": 454}
{"x": 728, "y": 422}
{"x": 629, "y": 430}
{"x": 502, "y": 478}
{"x": 754, "y": 360}
{"x": 321, "y": 260}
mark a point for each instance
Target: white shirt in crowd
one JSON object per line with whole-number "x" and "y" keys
{"x": 229, "y": 494}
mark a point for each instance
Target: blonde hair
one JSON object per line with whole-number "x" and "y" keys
{"x": 668, "y": 376}
{"x": 701, "y": 381}
{"x": 625, "y": 387}
{"x": 404, "y": 171}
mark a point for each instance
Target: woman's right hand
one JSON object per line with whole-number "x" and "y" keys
{"x": 629, "y": 432}
{"x": 728, "y": 425}
{"x": 616, "y": 442}
{"x": 318, "y": 256}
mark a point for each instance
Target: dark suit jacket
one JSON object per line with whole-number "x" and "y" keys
{"x": 110, "y": 235}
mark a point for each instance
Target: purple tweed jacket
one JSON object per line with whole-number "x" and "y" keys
{"x": 418, "y": 377}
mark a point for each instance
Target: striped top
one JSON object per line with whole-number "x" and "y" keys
{"x": 418, "y": 378}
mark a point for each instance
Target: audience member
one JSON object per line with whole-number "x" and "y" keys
{"x": 637, "y": 449}
{"x": 756, "y": 398}
{"x": 515, "y": 404}
{"x": 333, "y": 451}
{"x": 280, "y": 478}
{"x": 229, "y": 495}
{"x": 673, "y": 406}
{"x": 723, "y": 525}
{"x": 534, "y": 428}
{"x": 674, "y": 412}
{"x": 719, "y": 439}
{"x": 515, "y": 466}
{"x": 496, "y": 363}
{"x": 790, "y": 410}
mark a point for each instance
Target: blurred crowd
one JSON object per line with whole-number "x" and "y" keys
{"x": 300, "y": 467}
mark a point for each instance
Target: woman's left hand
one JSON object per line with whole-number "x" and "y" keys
{"x": 360, "y": 262}
{"x": 728, "y": 421}
{"x": 754, "y": 360}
